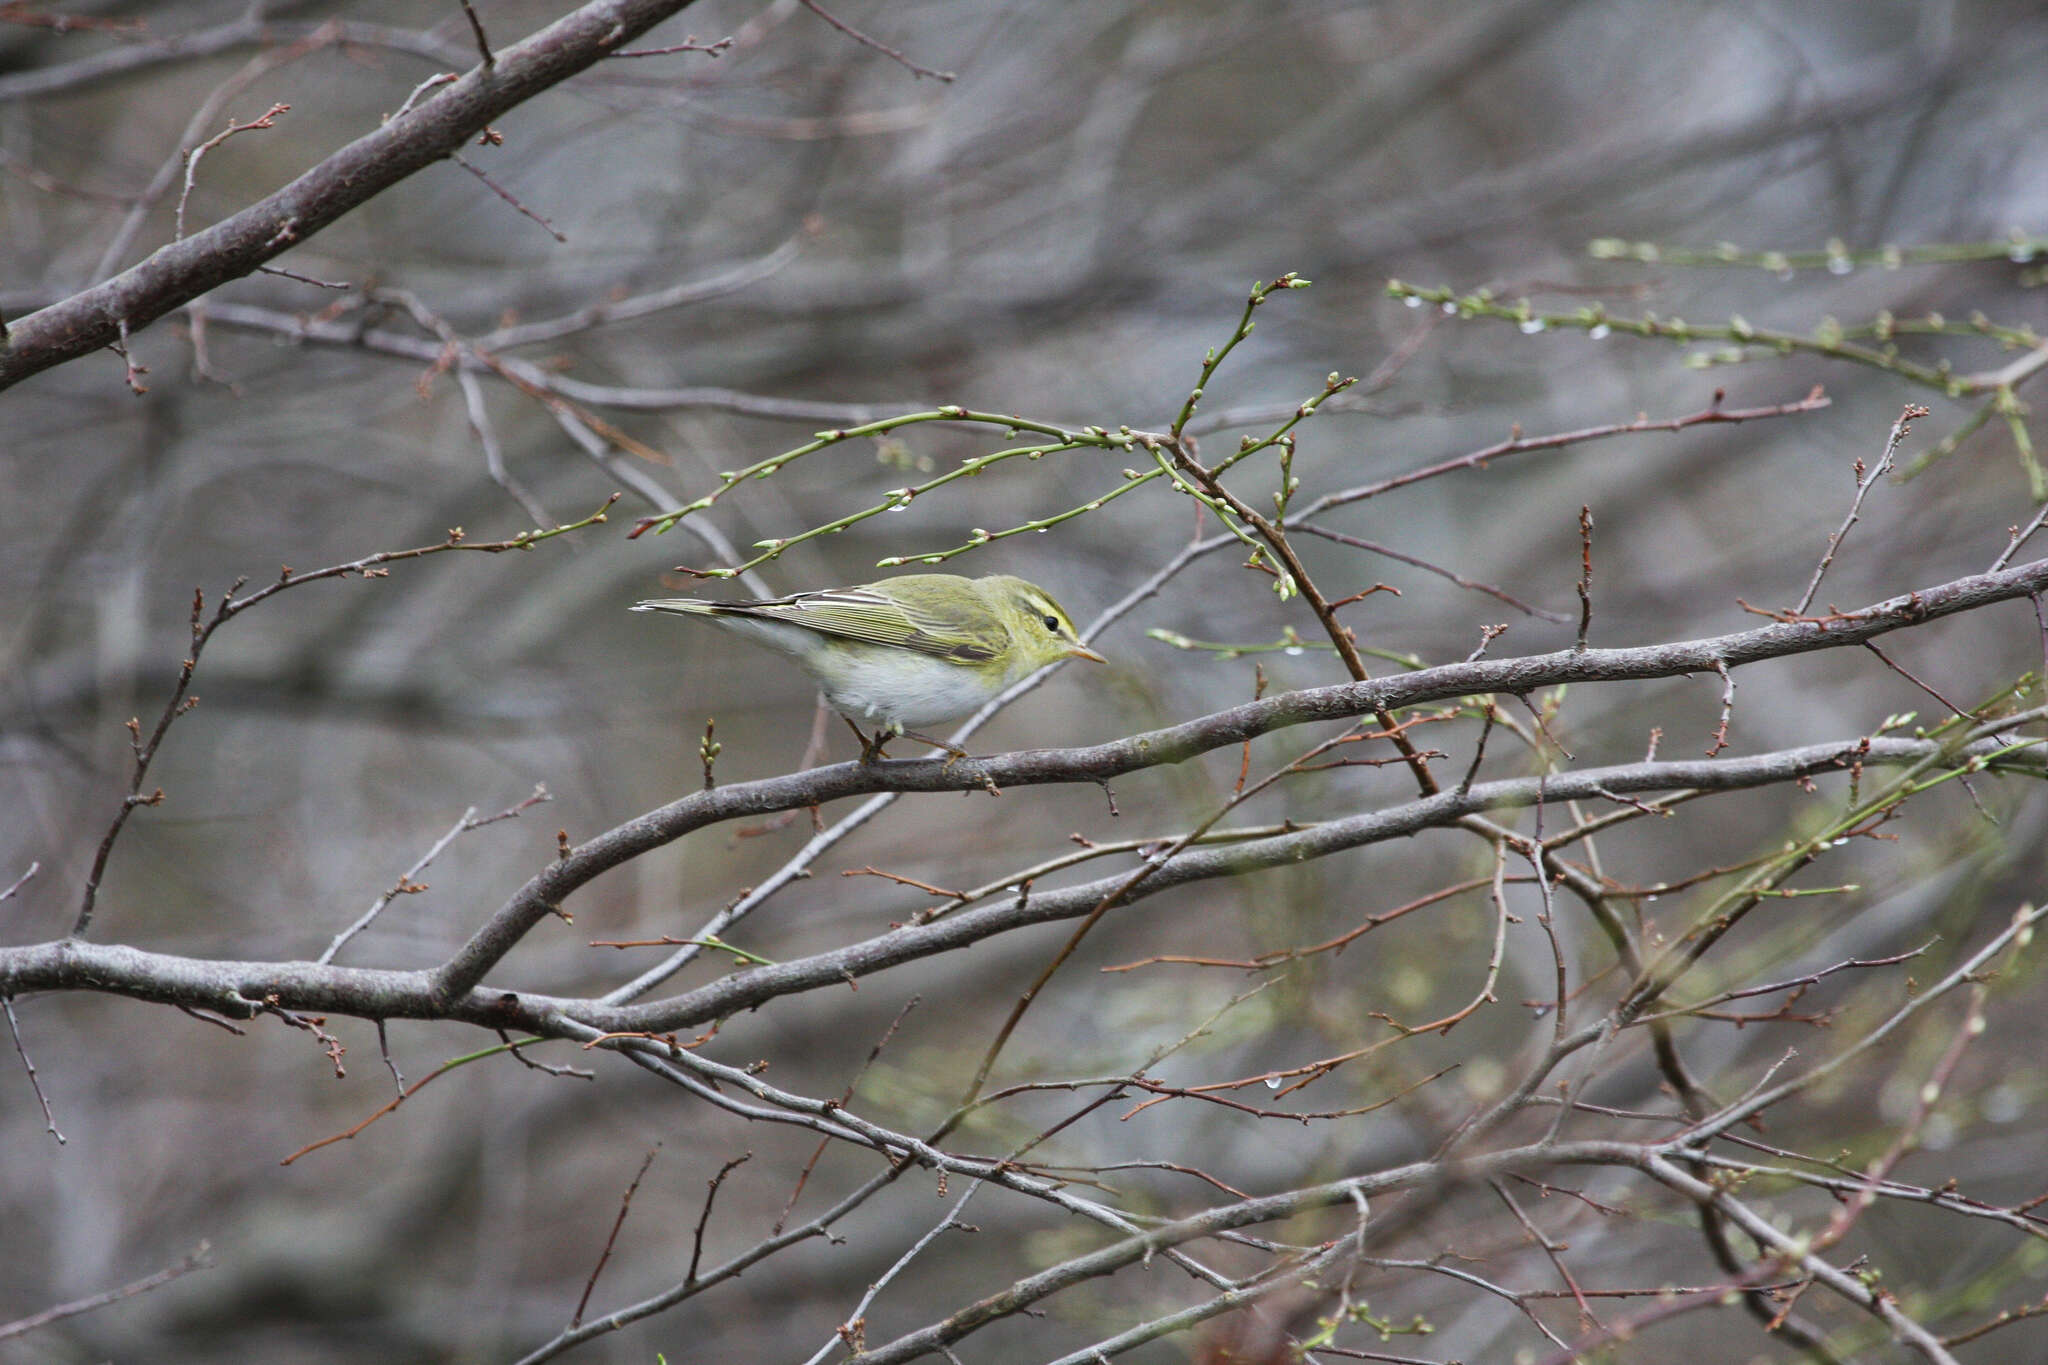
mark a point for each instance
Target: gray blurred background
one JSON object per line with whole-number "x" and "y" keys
{"x": 1059, "y": 233}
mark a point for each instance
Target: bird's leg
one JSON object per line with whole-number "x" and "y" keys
{"x": 870, "y": 746}
{"x": 954, "y": 755}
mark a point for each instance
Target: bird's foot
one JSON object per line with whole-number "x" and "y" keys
{"x": 870, "y": 745}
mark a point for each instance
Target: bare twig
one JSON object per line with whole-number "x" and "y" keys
{"x": 704, "y": 1216}
{"x": 14, "y": 1029}
{"x": 1473, "y": 585}
{"x": 625, "y": 1204}
{"x": 851, "y": 1330}
{"x": 495, "y": 188}
{"x": 2019, "y": 537}
{"x": 476, "y": 28}
{"x": 199, "y": 1258}
{"x": 1865, "y": 478}
{"x": 1517, "y": 444}
{"x": 1585, "y": 574}
{"x": 865, "y": 41}
{"x": 1720, "y": 737}
{"x": 494, "y": 453}
{"x": 265, "y": 120}
{"x": 688, "y": 44}
{"x": 407, "y": 883}
{"x": 21, "y": 881}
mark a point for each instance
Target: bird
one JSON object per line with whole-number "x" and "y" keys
{"x": 903, "y": 652}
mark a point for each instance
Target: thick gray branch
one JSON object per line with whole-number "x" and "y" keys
{"x": 235, "y": 988}
{"x": 180, "y": 272}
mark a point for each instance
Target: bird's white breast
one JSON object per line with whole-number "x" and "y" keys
{"x": 898, "y": 687}
{"x": 885, "y": 687}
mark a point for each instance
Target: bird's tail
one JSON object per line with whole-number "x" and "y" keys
{"x": 681, "y": 606}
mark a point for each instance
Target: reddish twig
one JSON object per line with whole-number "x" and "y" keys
{"x": 1550, "y": 1249}
{"x": 1517, "y": 444}
{"x": 925, "y": 887}
{"x": 704, "y": 1218}
{"x": 1895, "y": 667}
{"x": 495, "y": 188}
{"x": 1585, "y": 575}
{"x": 625, "y": 1201}
{"x": 845, "y": 1098}
{"x": 266, "y": 120}
{"x": 1415, "y": 561}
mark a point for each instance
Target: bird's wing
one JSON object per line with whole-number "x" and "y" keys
{"x": 970, "y": 633}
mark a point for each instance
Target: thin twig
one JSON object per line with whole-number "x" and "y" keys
{"x": 431, "y": 83}
{"x": 1517, "y": 444}
{"x": 495, "y": 188}
{"x": 14, "y": 1028}
{"x": 1720, "y": 738}
{"x": 204, "y": 117}
{"x": 1864, "y": 481}
{"x": 1373, "y": 547}
{"x": 21, "y": 881}
{"x": 494, "y": 453}
{"x": 704, "y": 1217}
{"x": 688, "y": 44}
{"x": 476, "y": 28}
{"x": 199, "y": 1258}
{"x": 1928, "y": 688}
{"x": 404, "y": 886}
{"x": 266, "y": 120}
{"x": 851, "y": 1330}
{"x": 625, "y": 1202}
{"x": 845, "y": 1098}
{"x": 390, "y": 1064}
{"x": 2019, "y": 537}
{"x": 865, "y": 41}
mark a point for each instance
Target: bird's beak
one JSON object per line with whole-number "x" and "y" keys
{"x": 1083, "y": 652}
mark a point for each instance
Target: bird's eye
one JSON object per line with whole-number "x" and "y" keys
{"x": 1052, "y": 623}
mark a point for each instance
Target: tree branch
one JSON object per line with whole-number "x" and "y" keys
{"x": 241, "y": 989}
{"x": 182, "y": 271}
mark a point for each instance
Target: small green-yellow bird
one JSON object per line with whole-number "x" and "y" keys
{"x": 909, "y": 651}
